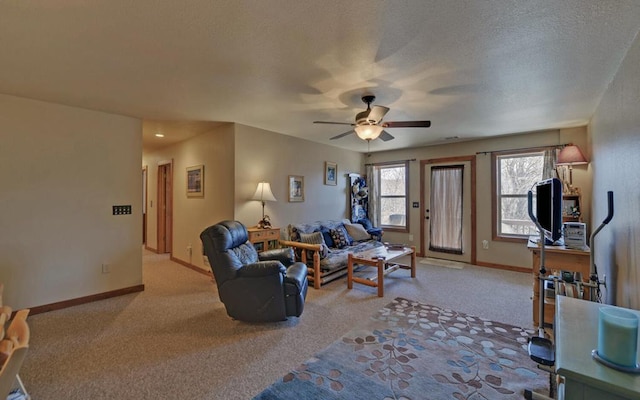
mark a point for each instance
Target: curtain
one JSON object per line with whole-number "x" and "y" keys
{"x": 445, "y": 222}
{"x": 549, "y": 164}
{"x": 373, "y": 183}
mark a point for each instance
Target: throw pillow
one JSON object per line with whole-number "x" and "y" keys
{"x": 346, "y": 234}
{"x": 357, "y": 232}
{"x": 314, "y": 238}
{"x": 326, "y": 235}
{"x": 339, "y": 236}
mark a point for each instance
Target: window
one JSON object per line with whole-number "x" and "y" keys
{"x": 392, "y": 199}
{"x": 514, "y": 175}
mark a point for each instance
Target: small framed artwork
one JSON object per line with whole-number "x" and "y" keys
{"x": 296, "y": 188}
{"x": 570, "y": 206}
{"x": 330, "y": 173}
{"x": 195, "y": 181}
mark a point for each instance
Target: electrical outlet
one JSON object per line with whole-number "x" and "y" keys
{"x": 485, "y": 244}
{"x": 106, "y": 268}
{"x": 410, "y": 237}
{"x": 189, "y": 249}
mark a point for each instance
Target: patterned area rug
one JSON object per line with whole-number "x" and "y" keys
{"x": 410, "y": 350}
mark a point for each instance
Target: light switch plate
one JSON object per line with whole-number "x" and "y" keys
{"x": 121, "y": 210}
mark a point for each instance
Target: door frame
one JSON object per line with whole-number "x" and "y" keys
{"x": 165, "y": 208}
{"x": 145, "y": 197}
{"x": 423, "y": 164}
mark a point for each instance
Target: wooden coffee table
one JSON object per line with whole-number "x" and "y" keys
{"x": 382, "y": 258}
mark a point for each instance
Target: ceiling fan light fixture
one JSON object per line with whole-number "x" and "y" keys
{"x": 368, "y": 132}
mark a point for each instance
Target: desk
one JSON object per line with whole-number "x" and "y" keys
{"x": 576, "y": 335}
{"x": 556, "y": 258}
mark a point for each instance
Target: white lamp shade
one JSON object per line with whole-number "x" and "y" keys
{"x": 368, "y": 132}
{"x": 571, "y": 155}
{"x": 263, "y": 192}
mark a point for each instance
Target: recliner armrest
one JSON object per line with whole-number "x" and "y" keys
{"x": 262, "y": 268}
{"x": 284, "y": 255}
{"x": 296, "y": 274}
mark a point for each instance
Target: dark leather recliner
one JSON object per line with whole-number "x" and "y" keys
{"x": 269, "y": 286}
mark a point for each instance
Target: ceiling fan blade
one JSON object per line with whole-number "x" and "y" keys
{"x": 332, "y": 123}
{"x": 377, "y": 113}
{"x": 385, "y": 136}
{"x": 407, "y": 124}
{"x": 342, "y": 135}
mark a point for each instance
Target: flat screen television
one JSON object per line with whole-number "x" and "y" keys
{"x": 549, "y": 208}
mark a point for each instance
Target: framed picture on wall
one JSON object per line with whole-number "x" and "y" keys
{"x": 330, "y": 173}
{"x": 296, "y": 188}
{"x": 195, "y": 181}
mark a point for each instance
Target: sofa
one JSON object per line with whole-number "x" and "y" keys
{"x": 324, "y": 246}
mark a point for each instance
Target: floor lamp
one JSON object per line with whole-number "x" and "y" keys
{"x": 263, "y": 194}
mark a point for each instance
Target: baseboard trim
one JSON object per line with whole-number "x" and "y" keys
{"x": 504, "y": 267}
{"x": 86, "y": 299}
{"x": 150, "y": 249}
{"x": 190, "y": 266}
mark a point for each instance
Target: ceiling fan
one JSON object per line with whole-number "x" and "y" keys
{"x": 369, "y": 125}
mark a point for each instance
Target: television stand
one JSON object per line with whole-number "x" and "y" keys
{"x": 547, "y": 242}
{"x": 557, "y": 258}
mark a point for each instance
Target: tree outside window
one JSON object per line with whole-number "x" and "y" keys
{"x": 516, "y": 174}
{"x": 393, "y": 195}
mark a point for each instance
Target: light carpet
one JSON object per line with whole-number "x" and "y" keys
{"x": 443, "y": 263}
{"x": 411, "y": 350}
{"x": 174, "y": 340}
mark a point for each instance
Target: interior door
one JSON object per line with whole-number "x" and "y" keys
{"x": 165, "y": 208}
{"x": 441, "y": 192}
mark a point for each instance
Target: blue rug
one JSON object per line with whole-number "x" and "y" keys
{"x": 410, "y": 350}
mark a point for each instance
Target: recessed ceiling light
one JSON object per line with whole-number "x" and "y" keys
{"x": 159, "y": 134}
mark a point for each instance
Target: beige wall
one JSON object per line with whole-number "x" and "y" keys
{"x": 236, "y": 158}
{"x": 499, "y": 253}
{"x": 258, "y": 155}
{"x": 615, "y": 134}
{"x": 191, "y": 215}
{"x": 62, "y": 168}
{"x": 263, "y": 155}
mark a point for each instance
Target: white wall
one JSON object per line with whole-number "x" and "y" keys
{"x": 615, "y": 134}
{"x": 62, "y": 169}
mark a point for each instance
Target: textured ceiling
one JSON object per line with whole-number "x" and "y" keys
{"x": 474, "y": 68}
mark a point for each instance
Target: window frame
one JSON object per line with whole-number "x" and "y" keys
{"x": 496, "y": 196}
{"x": 377, "y": 169}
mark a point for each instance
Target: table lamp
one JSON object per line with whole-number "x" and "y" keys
{"x": 571, "y": 155}
{"x": 263, "y": 194}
